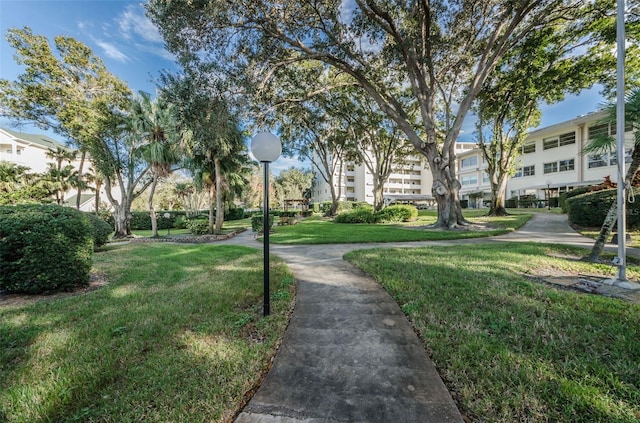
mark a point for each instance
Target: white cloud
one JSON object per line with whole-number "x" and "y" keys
{"x": 133, "y": 23}
{"x": 112, "y": 51}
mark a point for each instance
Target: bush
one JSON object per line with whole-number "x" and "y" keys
{"x": 234, "y": 214}
{"x": 359, "y": 215}
{"x": 590, "y": 209}
{"x": 573, "y": 193}
{"x": 44, "y": 248}
{"x": 198, "y": 226}
{"x": 398, "y": 213}
{"x": 101, "y": 230}
{"x": 257, "y": 223}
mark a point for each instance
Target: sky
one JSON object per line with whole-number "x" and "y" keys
{"x": 119, "y": 33}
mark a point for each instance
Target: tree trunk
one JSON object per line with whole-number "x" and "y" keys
{"x": 152, "y": 212}
{"x": 219, "y": 205}
{"x": 605, "y": 231}
{"x": 497, "y": 198}
{"x": 122, "y": 219}
{"x": 97, "y": 204}
{"x": 211, "y": 199}
{"x": 612, "y": 215}
{"x": 378, "y": 197}
{"x": 80, "y": 168}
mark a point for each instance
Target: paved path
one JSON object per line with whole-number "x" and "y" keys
{"x": 349, "y": 353}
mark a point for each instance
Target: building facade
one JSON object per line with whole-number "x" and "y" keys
{"x": 30, "y": 150}
{"x": 551, "y": 162}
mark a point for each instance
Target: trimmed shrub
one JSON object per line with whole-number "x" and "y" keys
{"x": 234, "y": 214}
{"x": 590, "y": 209}
{"x": 198, "y": 226}
{"x": 44, "y": 248}
{"x": 573, "y": 193}
{"x": 101, "y": 230}
{"x": 359, "y": 215}
{"x": 257, "y": 223}
{"x": 398, "y": 213}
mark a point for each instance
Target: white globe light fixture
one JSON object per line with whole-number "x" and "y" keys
{"x": 266, "y": 148}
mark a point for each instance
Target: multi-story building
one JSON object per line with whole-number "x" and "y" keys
{"x": 30, "y": 150}
{"x": 551, "y": 162}
{"x": 410, "y": 181}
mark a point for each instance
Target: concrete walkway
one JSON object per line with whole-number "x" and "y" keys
{"x": 349, "y": 353}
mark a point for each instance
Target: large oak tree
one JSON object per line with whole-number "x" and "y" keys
{"x": 442, "y": 51}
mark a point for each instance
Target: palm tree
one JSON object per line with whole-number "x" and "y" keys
{"x": 606, "y": 144}
{"x": 62, "y": 178}
{"x": 156, "y": 125}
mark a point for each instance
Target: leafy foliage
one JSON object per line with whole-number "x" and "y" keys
{"x": 590, "y": 209}
{"x": 358, "y": 215}
{"x": 44, "y": 248}
{"x": 257, "y": 223}
{"x": 397, "y": 213}
{"x": 101, "y": 230}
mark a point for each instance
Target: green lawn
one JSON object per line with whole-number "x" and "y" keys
{"x": 316, "y": 230}
{"x": 227, "y": 227}
{"x": 512, "y": 349}
{"x": 176, "y": 335}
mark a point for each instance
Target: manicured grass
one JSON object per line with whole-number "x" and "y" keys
{"x": 512, "y": 349}
{"x": 227, "y": 227}
{"x": 321, "y": 231}
{"x": 176, "y": 335}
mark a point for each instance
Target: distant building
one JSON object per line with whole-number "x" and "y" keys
{"x": 551, "y": 163}
{"x": 30, "y": 150}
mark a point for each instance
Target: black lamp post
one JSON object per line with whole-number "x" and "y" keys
{"x": 266, "y": 148}
{"x": 548, "y": 196}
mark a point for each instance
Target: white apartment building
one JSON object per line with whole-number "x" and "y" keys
{"x": 30, "y": 150}
{"x": 551, "y": 163}
{"x": 410, "y": 181}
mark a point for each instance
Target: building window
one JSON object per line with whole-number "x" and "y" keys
{"x": 8, "y": 151}
{"x": 469, "y": 180}
{"x": 525, "y": 171}
{"x": 613, "y": 157}
{"x": 550, "y": 167}
{"x": 598, "y": 160}
{"x": 19, "y": 151}
{"x": 566, "y": 165}
{"x": 601, "y": 130}
{"x": 469, "y": 162}
{"x": 548, "y": 143}
{"x": 567, "y": 139}
{"x": 529, "y": 148}
{"x": 485, "y": 177}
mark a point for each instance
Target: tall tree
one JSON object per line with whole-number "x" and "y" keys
{"x": 155, "y": 122}
{"x": 292, "y": 183}
{"x": 215, "y": 138}
{"x": 60, "y": 176}
{"x": 72, "y": 92}
{"x": 443, "y": 51}
{"x": 543, "y": 67}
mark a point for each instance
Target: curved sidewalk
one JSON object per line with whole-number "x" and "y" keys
{"x": 349, "y": 353}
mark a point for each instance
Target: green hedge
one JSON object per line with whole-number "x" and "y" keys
{"x": 573, "y": 193}
{"x": 590, "y": 209}
{"x": 101, "y": 230}
{"x": 398, "y": 213}
{"x": 359, "y": 215}
{"x": 44, "y": 248}
{"x": 257, "y": 223}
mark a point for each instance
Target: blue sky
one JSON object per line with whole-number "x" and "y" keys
{"x": 118, "y": 32}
